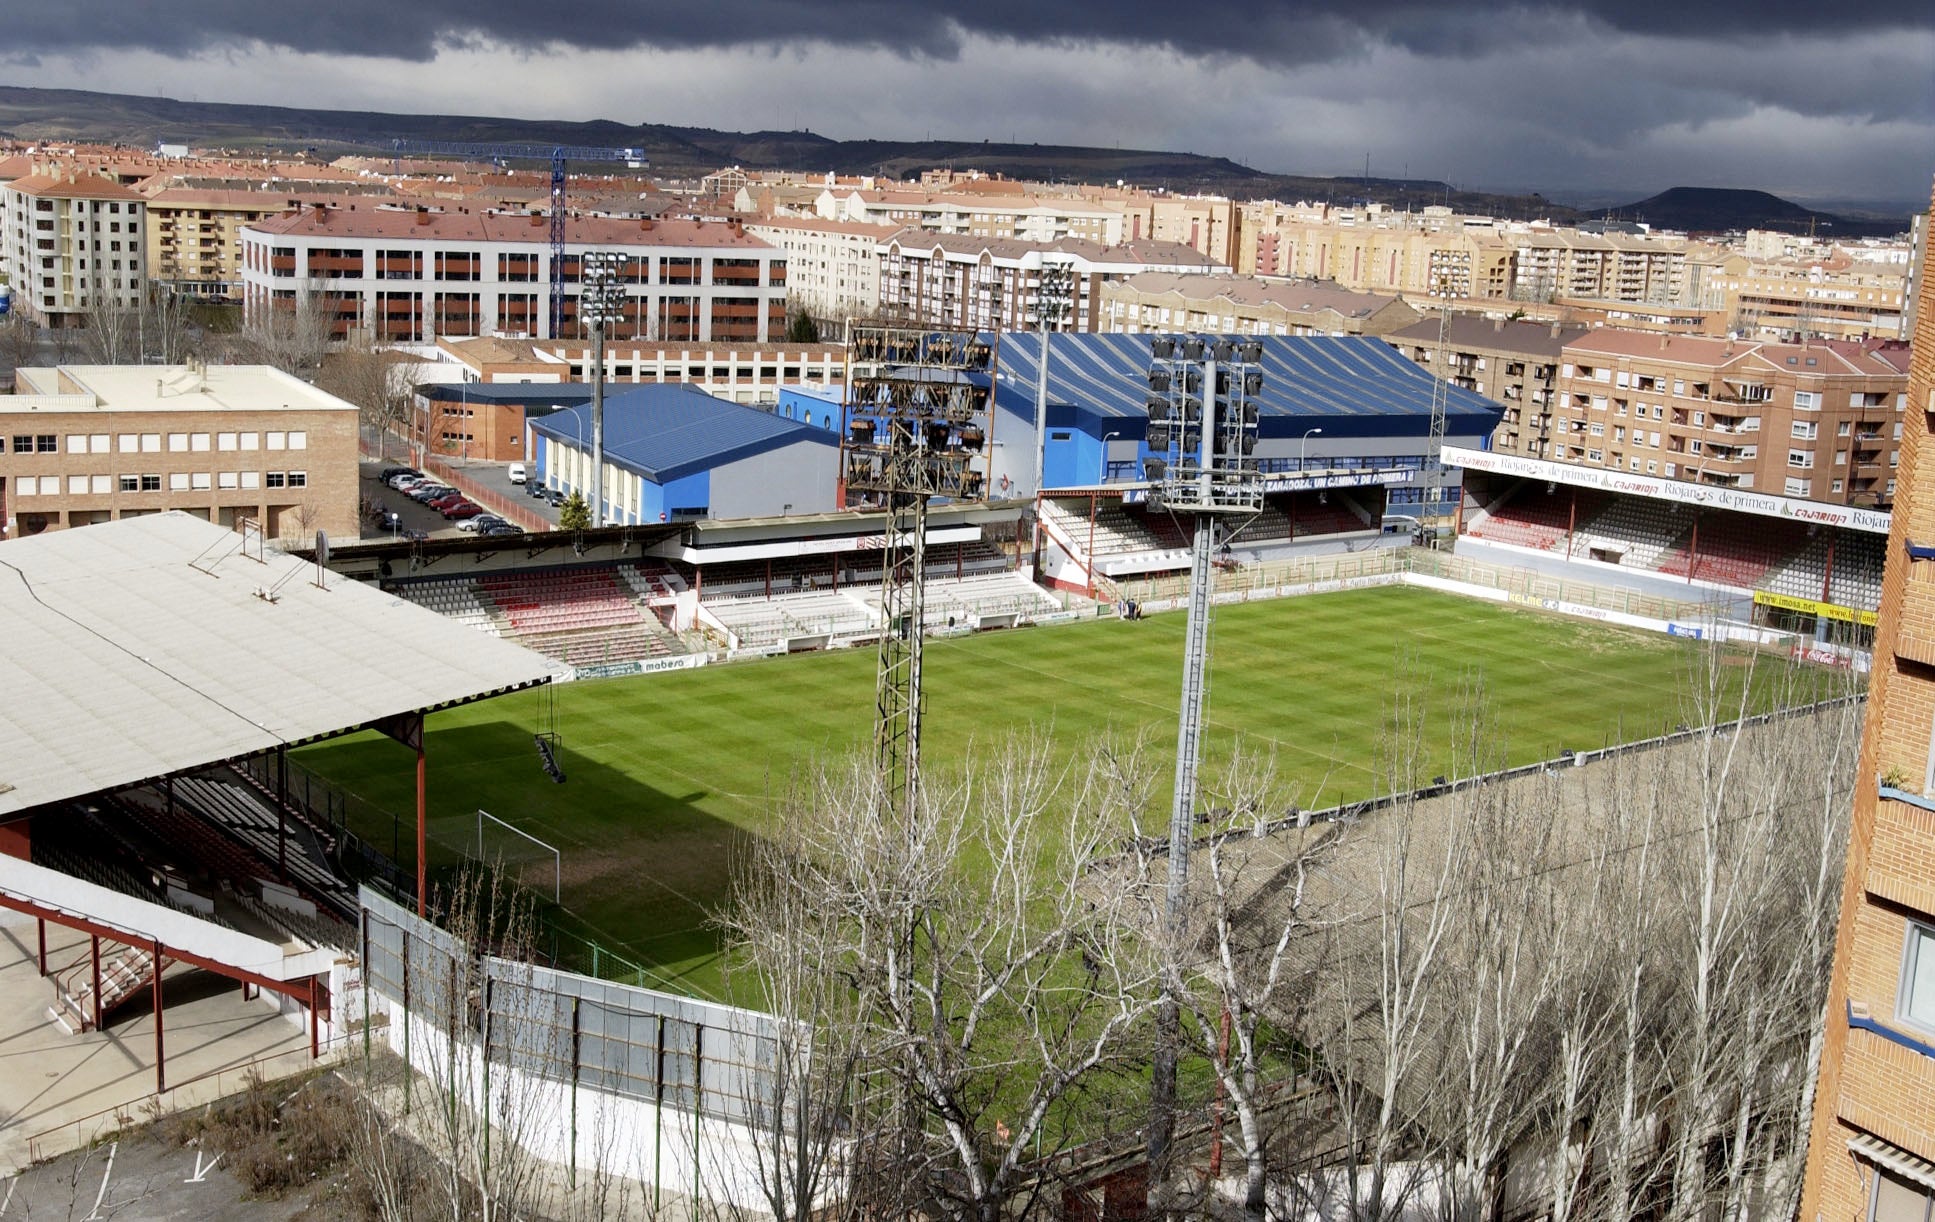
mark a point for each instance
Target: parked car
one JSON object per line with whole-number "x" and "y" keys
{"x": 462, "y": 509}
{"x": 416, "y": 536}
{"x": 500, "y": 528}
{"x": 444, "y": 502}
{"x": 481, "y": 521}
{"x": 555, "y": 496}
{"x": 389, "y": 473}
{"x": 423, "y": 494}
{"x": 402, "y": 475}
{"x": 536, "y": 490}
{"x": 516, "y": 472}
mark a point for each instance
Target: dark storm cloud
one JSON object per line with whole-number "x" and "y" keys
{"x": 1298, "y": 33}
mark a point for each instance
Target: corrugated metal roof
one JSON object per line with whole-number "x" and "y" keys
{"x": 1305, "y": 378}
{"x": 668, "y": 431}
{"x": 143, "y": 647}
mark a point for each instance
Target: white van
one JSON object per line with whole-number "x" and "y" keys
{"x": 517, "y": 473}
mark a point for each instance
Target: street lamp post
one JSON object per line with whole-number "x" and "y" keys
{"x": 1104, "y": 473}
{"x": 1301, "y": 445}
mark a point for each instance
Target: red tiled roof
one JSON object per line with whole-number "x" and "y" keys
{"x": 84, "y": 186}
{"x": 467, "y": 226}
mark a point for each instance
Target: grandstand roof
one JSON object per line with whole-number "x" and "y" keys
{"x": 1361, "y": 383}
{"x": 667, "y": 431}
{"x": 144, "y": 647}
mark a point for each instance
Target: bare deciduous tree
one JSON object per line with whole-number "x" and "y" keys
{"x": 991, "y": 976}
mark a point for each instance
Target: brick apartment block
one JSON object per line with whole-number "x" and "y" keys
{"x": 81, "y": 444}
{"x": 1872, "y": 1144}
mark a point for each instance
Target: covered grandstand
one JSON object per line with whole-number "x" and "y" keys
{"x": 1797, "y": 565}
{"x": 159, "y": 669}
{"x": 625, "y": 600}
{"x": 1328, "y": 403}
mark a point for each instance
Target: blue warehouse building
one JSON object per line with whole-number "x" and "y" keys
{"x": 673, "y": 452}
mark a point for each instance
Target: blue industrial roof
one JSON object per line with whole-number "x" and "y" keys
{"x": 1323, "y": 378}
{"x": 668, "y": 431}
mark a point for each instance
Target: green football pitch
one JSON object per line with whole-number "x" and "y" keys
{"x": 665, "y": 771}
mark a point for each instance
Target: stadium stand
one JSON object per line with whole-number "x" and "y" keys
{"x": 1117, "y": 532}
{"x": 1732, "y": 550}
{"x": 225, "y": 800}
{"x": 553, "y": 600}
{"x": 1856, "y": 577}
{"x": 580, "y": 616}
{"x": 1527, "y": 518}
{"x": 1632, "y": 530}
{"x": 758, "y": 620}
{"x": 455, "y": 598}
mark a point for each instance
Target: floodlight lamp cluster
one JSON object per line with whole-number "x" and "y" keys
{"x": 1202, "y": 402}
{"x": 602, "y": 300}
{"x": 917, "y": 413}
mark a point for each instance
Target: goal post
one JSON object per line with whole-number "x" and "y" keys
{"x": 529, "y": 847}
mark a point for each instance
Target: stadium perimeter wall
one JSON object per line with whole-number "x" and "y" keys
{"x": 593, "y": 1077}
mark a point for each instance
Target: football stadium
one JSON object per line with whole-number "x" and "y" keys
{"x": 266, "y": 767}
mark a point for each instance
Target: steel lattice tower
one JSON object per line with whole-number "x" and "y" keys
{"x": 919, "y": 426}
{"x": 1203, "y": 426}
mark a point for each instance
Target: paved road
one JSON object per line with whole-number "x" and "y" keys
{"x": 140, "y": 1177}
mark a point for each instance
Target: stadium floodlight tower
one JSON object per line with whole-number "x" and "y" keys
{"x": 601, "y": 303}
{"x": 919, "y": 427}
{"x": 1203, "y": 396}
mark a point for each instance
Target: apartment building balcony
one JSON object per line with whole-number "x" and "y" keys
{"x": 1734, "y": 460}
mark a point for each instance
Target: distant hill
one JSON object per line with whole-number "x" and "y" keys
{"x": 1720, "y": 209}
{"x": 109, "y": 118}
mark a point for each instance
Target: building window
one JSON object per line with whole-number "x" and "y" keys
{"x": 198, "y": 442}
{"x": 1916, "y": 1004}
{"x": 1805, "y": 430}
{"x": 225, "y": 441}
{"x": 298, "y": 440}
{"x": 1804, "y": 459}
{"x": 1807, "y": 401}
{"x": 277, "y": 441}
{"x": 178, "y": 481}
{"x": 47, "y": 443}
{"x": 151, "y": 483}
{"x": 273, "y": 479}
{"x": 1798, "y": 487}
{"x": 201, "y": 481}
{"x": 178, "y": 443}
{"x": 1897, "y": 1200}
{"x": 130, "y": 483}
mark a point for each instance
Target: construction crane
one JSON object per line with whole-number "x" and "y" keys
{"x": 557, "y": 155}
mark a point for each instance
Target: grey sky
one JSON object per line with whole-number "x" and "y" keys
{"x": 1812, "y": 100}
